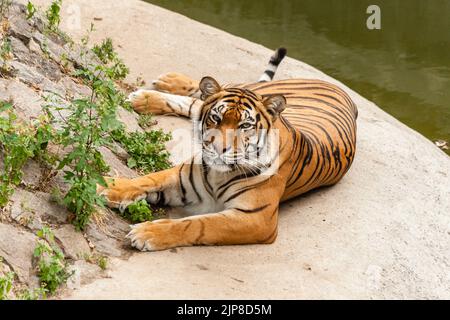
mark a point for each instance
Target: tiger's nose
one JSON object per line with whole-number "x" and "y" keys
{"x": 226, "y": 149}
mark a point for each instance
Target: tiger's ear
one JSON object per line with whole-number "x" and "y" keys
{"x": 275, "y": 104}
{"x": 208, "y": 87}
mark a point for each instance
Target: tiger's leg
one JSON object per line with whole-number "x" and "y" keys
{"x": 151, "y": 101}
{"x": 177, "y": 83}
{"x": 159, "y": 187}
{"x": 231, "y": 226}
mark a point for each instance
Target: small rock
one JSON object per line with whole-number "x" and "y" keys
{"x": 120, "y": 152}
{"x": 103, "y": 243}
{"x": 32, "y": 173}
{"x": 38, "y": 204}
{"x": 117, "y": 167}
{"x": 19, "y": 49}
{"x": 73, "y": 89}
{"x": 54, "y": 51}
{"x": 20, "y": 28}
{"x": 25, "y": 217}
{"x": 34, "y": 47}
{"x": 83, "y": 273}
{"x": 442, "y": 144}
{"x": 27, "y": 103}
{"x": 16, "y": 247}
{"x": 74, "y": 244}
{"x": 80, "y": 57}
{"x": 130, "y": 120}
{"x": 109, "y": 239}
{"x": 27, "y": 74}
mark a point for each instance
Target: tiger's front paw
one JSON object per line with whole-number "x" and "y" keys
{"x": 176, "y": 83}
{"x": 157, "y": 235}
{"x": 121, "y": 192}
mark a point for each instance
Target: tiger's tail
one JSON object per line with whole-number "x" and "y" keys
{"x": 275, "y": 60}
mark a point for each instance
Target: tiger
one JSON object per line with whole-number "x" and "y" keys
{"x": 232, "y": 195}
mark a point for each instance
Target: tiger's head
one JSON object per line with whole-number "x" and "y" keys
{"x": 237, "y": 127}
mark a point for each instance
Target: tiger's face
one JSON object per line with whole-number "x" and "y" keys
{"x": 236, "y": 126}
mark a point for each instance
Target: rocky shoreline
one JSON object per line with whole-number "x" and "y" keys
{"x": 41, "y": 66}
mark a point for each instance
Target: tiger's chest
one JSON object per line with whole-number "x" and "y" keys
{"x": 213, "y": 191}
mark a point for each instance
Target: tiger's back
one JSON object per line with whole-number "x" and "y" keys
{"x": 320, "y": 118}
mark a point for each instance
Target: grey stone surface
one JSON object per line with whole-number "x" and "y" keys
{"x": 19, "y": 27}
{"x": 73, "y": 243}
{"x": 27, "y": 102}
{"x": 37, "y": 205}
{"x": 32, "y": 77}
{"x": 27, "y": 74}
{"x": 19, "y": 49}
{"x": 117, "y": 167}
{"x": 32, "y": 174}
{"x": 54, "y": 50}
{"x": 79, "y": 57}
{"x": 130, "y": 120}
{"x": 16, "y": 248}
{"x": 103, "y": 243}
{"x": 108, "y": 237}
{"x": 83, "y": 273}
{"x": 73, "y": 89}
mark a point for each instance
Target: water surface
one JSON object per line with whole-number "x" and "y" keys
{"x": 404, "y": 67}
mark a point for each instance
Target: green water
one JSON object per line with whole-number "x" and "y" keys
{"x": 404, "y": 67}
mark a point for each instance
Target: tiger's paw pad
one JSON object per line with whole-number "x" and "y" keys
{"x": 151, "y": 236}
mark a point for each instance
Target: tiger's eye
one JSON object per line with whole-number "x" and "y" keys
{"x": 215, "y": 118}
{"x": 245, "y": 126}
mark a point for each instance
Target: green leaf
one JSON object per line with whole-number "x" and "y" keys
{"x": 5, "y": 106}
{"x": 131, "y": 162}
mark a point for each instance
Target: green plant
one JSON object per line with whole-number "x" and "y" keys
{"x": 53, "y": 15}
{"x": 146, "y": 121}
{"x": 6, "y": 282}
{"x": 52, "y": 268}
{"x": 140, "y": 211}
{"x": 6, "y": 49}
{"x": 117, "y": 70}
{"x": 31, "y": 10}
{"x": 92, "y": 123}
{"x": 102, "y": 262}
{"x": 84, "y": 131}
{"x": 88, "y": 127}
{"x": 7, "y": 287}
{"x": 5, "y": 55}
{"x": 146, "y": 149}
{"x": 33, "y": 294}
{"x": 19, "y": 142}
{"x": 64, "y": 60}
